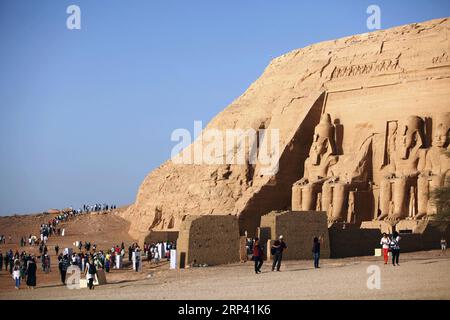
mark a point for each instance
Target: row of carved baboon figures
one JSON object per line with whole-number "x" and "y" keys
{"x": 409, "y": 174}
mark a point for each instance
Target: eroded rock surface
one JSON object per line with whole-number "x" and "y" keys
{"x": 365, "y": 83}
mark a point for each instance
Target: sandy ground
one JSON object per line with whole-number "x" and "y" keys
{"x": 421, "y": 275}
{"x": 105, "y": 230}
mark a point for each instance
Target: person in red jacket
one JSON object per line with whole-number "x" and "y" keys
{"x": 257, "y": 256}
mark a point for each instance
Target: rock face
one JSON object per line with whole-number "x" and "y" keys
{"x": 342, "y": 109}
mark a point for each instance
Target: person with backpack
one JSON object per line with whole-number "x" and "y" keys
{"x": 277, "y": 252}
{"x": 395, "y": 248}
{"x": 257, "y": 256}
{"x": 91, "y": 271}
{"x": 316, "y": 252}
{"x": 63, "y": 265}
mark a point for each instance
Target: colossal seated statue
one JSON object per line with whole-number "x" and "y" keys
{"x": 402, "y": 172}
{"x": 350, "y": 176}
{"x": 437, "y": 166}
{"x": 317, "y": 166}
{"x": 326, "y": 183}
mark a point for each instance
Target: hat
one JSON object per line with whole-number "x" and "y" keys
{"x": 281, "y": 237}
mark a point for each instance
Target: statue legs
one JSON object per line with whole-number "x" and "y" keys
{"x": 308, "y": 197}
{"x": 400, "y": 211}
{"x": 385, "y": 198}
{"x": 327, "y": 197}
{"x": 339, "y": 201}
{"x": 422, "y": 196}
{"x": 296, "y": 204}
{"x": 435, "y": 182}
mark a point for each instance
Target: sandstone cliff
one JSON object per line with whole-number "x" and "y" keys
{"x": 362, "y": 81}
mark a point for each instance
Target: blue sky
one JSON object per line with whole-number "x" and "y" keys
{"x": 86, "y": 114}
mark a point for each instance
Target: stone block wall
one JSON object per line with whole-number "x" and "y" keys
{"x": 210, "y": 240}
{"x": 298, "y": 229}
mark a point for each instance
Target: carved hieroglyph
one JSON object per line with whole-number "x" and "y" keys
{"x": 369, "y": 85}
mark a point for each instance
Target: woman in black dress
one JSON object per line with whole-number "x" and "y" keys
{"x": 31, "y": 273}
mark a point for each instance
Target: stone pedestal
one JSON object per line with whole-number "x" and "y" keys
{"x": 383, "y": 226}
{"x": 411, "y": 226}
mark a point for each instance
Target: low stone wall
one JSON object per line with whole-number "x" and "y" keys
{"x": 210, "y": 240}
{"x": 426, "y": 236}
{"x": 298, "y": 229}
{"x": 352, "y": 241}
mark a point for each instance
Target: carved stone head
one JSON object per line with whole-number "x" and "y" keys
{"x": 410, "y": 136}
{"x": 442, "y": 131}
{"x": 323, "y": 140}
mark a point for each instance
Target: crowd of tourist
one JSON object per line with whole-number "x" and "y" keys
{"x": 390, "y": 246}
{"x": 22, "y": 266}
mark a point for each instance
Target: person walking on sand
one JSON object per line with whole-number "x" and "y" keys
{"x": 31, "y": 273}
{"x": 137, "y": 258}
{"x": 277, "y": 248}
{"x": 63, "y": 265}
{"x": 6, "y": 259}
{"x": 395, "y": 248}
{"x": 316, "y": 252}
{"x": 16, "y": 273}
{"x": 385, "y": 247}
{"x": 11, "y": 261}
{"x": 91, "y": 271}
{"x": 443, "y": 246}
{"x": 257, "y": 256}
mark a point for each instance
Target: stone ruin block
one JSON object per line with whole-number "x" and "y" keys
{"x": 298, "y": 229}
{"x": 210, "y": 240}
